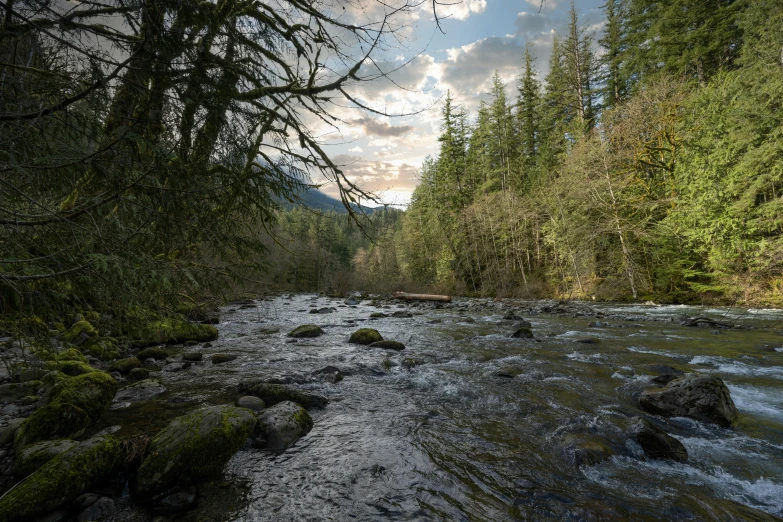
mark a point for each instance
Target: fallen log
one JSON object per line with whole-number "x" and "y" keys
{"x": 422, "y": 297}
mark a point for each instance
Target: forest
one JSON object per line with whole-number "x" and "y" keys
{"x": 162, "y": 173}
{"x": 648, "y": 165}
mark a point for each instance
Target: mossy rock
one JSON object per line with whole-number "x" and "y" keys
{"x": 13, "y": 391}
{"x": 125, "y": 365}
{"x": 193, "y": 447}
{"x": 272, "y": 394}
{"x": 80, "y": 330}
{"x": 73, "y": 404}
{"x": 306, "y": 330}
{"x": 365, "y": 336}
{"x": 192, "y": 357}
{"x": 172, "y": 331}
{"x": 388, "y": 345}
{"x": 153, "y": 352}
{"x": 30, "y": 458}
{"x": 103, "y": 349}
{"x": 281, "y": 425}
{"x": 522, "y": 333}
{"x": 377, "y": 315}
{"x": 63, "y": 478}
{"x": 72, "y": 368}
{"x": 72, "y": 354}
{"x": 138, "y": 374}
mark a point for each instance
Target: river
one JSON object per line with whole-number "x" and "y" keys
{"x": 468, "y": 424}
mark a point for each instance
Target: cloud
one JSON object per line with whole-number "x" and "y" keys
{"x": 381, "y": 128}
{"x": 458, "y": 10}
{"x": 391, "y": 180}
{"x": 356, "y": 149}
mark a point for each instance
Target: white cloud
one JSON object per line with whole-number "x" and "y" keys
{"x": 356, "y": 149}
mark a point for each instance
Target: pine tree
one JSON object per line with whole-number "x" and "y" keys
{"x": 579, "y": 64}
{"x": 556, "y": 113}
{"x": 614, "y": 88}
{"x": 528, "y": 106}
{"x": 502, "y": 133}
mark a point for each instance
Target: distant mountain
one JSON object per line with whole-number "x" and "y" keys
{"x": 317, "y": 200}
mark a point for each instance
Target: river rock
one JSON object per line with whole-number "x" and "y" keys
{"x": 12, "y": 391}
{"x": 176, "y": 503}
{"x": 522, "y": 333}
{"x": 352, "y": 301}
{"x": 281, "y": 425}
{"x": 8, "y": 431}
{"x": 330, "y": 374}
{"x": 176, "y": 366}
{"x": 220, "y": 358}
{"x": 192, "y": 357}
{"x": 102, "y": 509}
{"x": 656, "y": 443}
{"x": 153, "y": 352}
{"x": 125, "y": 365}
{"x": 306, "y": 330}
{"x": 73, "y": 404}
{"x": 62, "y": 479}
{"x": 404, "y": 314}
{"x": 252, "y": 403}
{"x": 138, "y": 374}
{"x": 84, "y": 501}
{"x": 388, "y": 345}
{"x": 700, "y": 397}
{"x": 30, "y": 458}
{"x": 365, "y": 336}
{"x": 273, "y": 394}
{"x": 192, "y": 447}
{"x": 140, "y": 391}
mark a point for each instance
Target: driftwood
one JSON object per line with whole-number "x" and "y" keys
{"x": 422, "y": 297}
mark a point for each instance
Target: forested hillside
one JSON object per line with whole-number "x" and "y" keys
{"x": 647, "y": 165}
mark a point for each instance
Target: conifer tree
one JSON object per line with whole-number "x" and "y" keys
{"x": 528, "y": 106}
{"x": 614, "y": 88}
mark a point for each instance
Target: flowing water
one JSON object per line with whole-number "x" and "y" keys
{"x": 469, "y": 424}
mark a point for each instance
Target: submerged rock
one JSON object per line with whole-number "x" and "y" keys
{"x": 273, "y": 394}
{"x": 365, "y": 336}
{"x": 701, "y": 397}
{"x": 522, "y": 333}
{"x": 63, "y": 478}
{"x": 140, "y": 391}
{"x": 33, "y": 456}
{"x": 656, "y": 443}
{"x": 220, "y": 358}
{"x": 281, "y": 425}
{"x": 388, "y": 345}
{"x": 73, "y": 404}
{"x": 193, "y": 447}
{"x": 192, "y": 357}
{"x": 306, "y": 330}
{"x": 176, "y": 366}
{"x": 330, "y": 374}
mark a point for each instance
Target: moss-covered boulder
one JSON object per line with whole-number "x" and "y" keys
{"x": 220, "y": 358}
{"x": 522, "y": 332}
{"x": 73, "y": 404}
{"x": 32, "y": 457}
{"x": 281, "y": 425}
{"x": 273, "y": 394}
{"x": 80, "y": 333}
{"x": 365, "y": 336}
{"x": 306, "y": 330}
{"x": 192, "y": 447}
{"x": 63, "y": 478}
{"x": 72, "y": 354}
{"x": 154, "y": 352}
{"x": 71, "y": 368}
{"x": 13, "y": 391}
{"x": 138, "y": 374}
{"x": 388, "y": 345}
{"x": 125, "y": 365}
{"x": 172, "y": 331}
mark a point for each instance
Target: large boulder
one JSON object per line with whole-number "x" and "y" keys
{"x": 73, "y": 404}
{"x": 63, "y": 478}
{"x": 172, "y": 331}
{"x": 701, "y": 397}
{"x": 306, "y": 330}
{"x": 656, "y": 443}
{"x": 125, "y": 365}
{"x": 365, "y": 336}
{"x": 30, "y": 458}
{"x": 281, "y": 425}
{"x": 272, "y": 394}
{"x": 388, "y": 345}
{"x": 193, "y": 447}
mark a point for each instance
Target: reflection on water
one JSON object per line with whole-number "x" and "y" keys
{"x": 469, "y": 424}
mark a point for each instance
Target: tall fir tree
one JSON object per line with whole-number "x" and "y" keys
{"x": 580, "y": 68}
{"x": 528, "y": 124}
{"x": 615, "y": 85}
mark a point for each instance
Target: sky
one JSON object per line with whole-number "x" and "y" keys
{"x": 383, "y": 154}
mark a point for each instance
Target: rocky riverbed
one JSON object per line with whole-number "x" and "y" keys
{"x": 377, "y": 410}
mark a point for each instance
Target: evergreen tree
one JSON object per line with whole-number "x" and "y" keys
{"x": 580, "y": 69}
{"x": 614, "y": 88}
{"x": 501, "y": 134}
{"x": 528, "y": 106}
